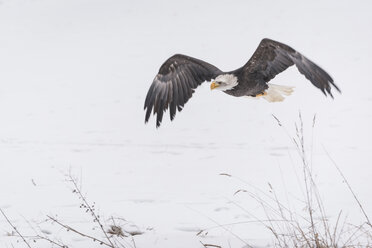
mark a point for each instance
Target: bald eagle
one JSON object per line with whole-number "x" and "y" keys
{"x": 180, "y": 75}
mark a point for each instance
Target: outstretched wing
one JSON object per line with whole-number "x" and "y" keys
{"x": 174, "y": 85}
{"x": 272, "y": 57}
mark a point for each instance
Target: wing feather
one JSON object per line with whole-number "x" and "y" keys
{"x": 272, "y": 57}
{"x": 175, "y": 83}
{"x": 181, "y": 94}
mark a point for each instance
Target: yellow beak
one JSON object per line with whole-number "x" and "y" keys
{"x": 214, "y": 85}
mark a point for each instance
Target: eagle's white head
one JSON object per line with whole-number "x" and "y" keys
{"x": 224, "y": 82}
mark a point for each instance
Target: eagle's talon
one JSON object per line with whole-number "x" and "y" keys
{"x": 261, "y": 94}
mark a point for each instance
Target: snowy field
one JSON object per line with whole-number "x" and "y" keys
{"x": 73, "y": 78}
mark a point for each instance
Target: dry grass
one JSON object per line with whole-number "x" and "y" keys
{"x": 309, "y": 227}
{"x": 112, "y": 234}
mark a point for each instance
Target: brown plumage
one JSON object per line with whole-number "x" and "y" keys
{"x": 180, "y": 75}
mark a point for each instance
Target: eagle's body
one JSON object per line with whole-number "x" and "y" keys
{"x": 178, "y": 77}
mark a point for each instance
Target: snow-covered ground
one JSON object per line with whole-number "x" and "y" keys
{"x": 73, "y": 78}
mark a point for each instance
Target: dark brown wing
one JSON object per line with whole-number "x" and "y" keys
{"x": 272, "y": 57}
{"x": 174, "y": 85}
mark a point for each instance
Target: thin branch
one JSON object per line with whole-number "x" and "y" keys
{"x": 210, "y": 245}
{"x": 15, "y": 228}
{"x": 46, "y": 239}
{"x": 69, "y": 228}
{"x": 91, "y": 210}
{"x": 51, "y": 241}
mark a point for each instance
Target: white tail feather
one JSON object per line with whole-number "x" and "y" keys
{"x": 276, "y": 93}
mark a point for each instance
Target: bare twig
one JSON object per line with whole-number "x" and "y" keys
{"x": 50, "y": 241}
{"x": 69, "y": 228}
{"x": 276, "y": 118}
{"x": 210, "y": 245}
{"x": 225, "y": 174}
{"x": 89, "y": 208}
{"x": 15, "y": 228}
